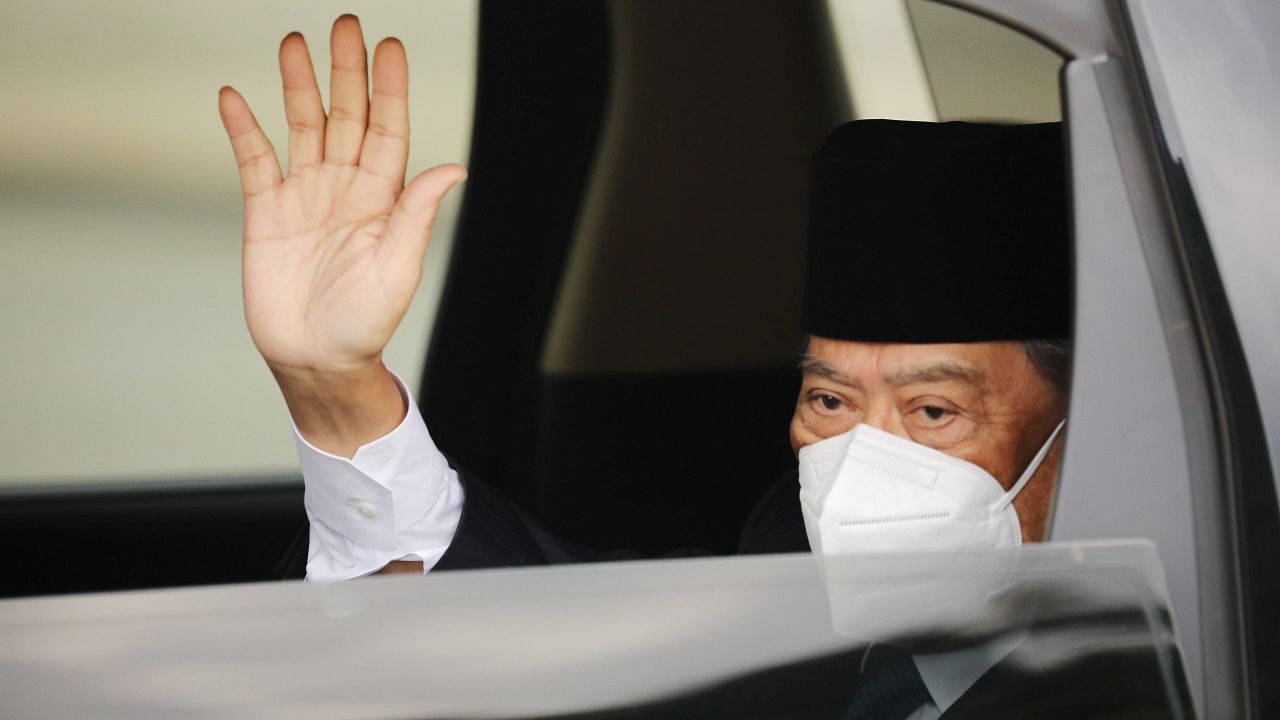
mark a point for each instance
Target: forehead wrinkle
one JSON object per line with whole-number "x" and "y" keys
{"x": 944, "y": 371}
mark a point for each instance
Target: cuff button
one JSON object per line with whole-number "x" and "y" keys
{"x": 365, "y": 508}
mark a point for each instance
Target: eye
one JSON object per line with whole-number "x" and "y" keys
{"x": 932, "y": 416}
{"x": 938, "y": 422}
{"x": 933, "y": 412}
{"x": 826, "y": 403}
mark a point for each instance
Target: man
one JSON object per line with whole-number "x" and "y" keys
{"x": 919, "y": 334}
{"x": 934, "y": 376}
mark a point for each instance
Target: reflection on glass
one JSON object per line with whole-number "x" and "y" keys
{"x": 1042, "y": 631}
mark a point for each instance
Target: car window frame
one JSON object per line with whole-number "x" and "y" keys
{"x": 1142, "y": 455}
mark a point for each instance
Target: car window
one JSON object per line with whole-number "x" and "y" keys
{"x": 981, "y": 70}
{"x": 921, "y": 60}
{"x": 126, "y": 355}
{"x": 1079, "y": 630}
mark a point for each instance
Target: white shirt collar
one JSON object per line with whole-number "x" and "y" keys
{"x": 949, "y": 675}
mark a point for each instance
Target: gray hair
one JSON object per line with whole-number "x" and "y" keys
{"x": 1052, "y": 358}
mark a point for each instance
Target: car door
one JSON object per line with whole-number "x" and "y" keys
{"x": 1169, "y": 433}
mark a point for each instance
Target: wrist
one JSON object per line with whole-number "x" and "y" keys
{"x": 339, "y": 409}
{"x": 331, "y": 381}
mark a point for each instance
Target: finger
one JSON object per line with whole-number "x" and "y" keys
{"x": 411, "y": 221}
{"x": 386, "y": 142}
{"x": 348, "y": 93}
{"x": 302, "y": 105}
{"x": 259, "y": 168}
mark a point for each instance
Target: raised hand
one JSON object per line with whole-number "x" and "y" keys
{"x": 333, "y": 251}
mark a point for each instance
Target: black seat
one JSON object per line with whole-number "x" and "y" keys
{"x": 615, "y": 344}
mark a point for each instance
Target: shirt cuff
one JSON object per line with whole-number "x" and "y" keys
{"x": 396, "y": 498}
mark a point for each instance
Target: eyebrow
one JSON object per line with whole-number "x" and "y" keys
{"x": 811, "y": 365}
{"x": 945, "y": 371}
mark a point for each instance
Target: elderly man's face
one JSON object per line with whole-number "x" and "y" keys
{"x": 982, "y": 402}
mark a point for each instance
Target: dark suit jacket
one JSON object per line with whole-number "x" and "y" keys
{"x": 495, "y": 532}
{"x": 1122, "y": 684}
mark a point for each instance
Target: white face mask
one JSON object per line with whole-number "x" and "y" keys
{"x": 871, "y": 491}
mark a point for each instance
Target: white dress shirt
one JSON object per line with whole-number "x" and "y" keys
{"x": 395, "y": 499}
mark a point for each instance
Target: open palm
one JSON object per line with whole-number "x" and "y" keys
{"x": 333, "y": 251}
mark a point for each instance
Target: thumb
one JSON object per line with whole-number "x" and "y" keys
{"x": 414, "y": 215}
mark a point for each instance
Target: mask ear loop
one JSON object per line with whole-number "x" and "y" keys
{"x": 1031, "y": 469}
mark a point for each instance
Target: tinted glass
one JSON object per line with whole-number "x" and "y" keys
{"x": 1066, "y": 631}
{"x": 126, "y": 355}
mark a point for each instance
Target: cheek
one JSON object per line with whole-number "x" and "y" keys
{"x": 795, "y": 432}
{"x": 806, "y": 429}
{"x": 803, "y": 433}
{"x": 997, "y": 458}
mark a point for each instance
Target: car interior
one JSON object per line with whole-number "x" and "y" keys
{"x": 616, "y": 338}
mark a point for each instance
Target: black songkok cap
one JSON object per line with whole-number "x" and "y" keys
{"x": 939, "y": 232}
